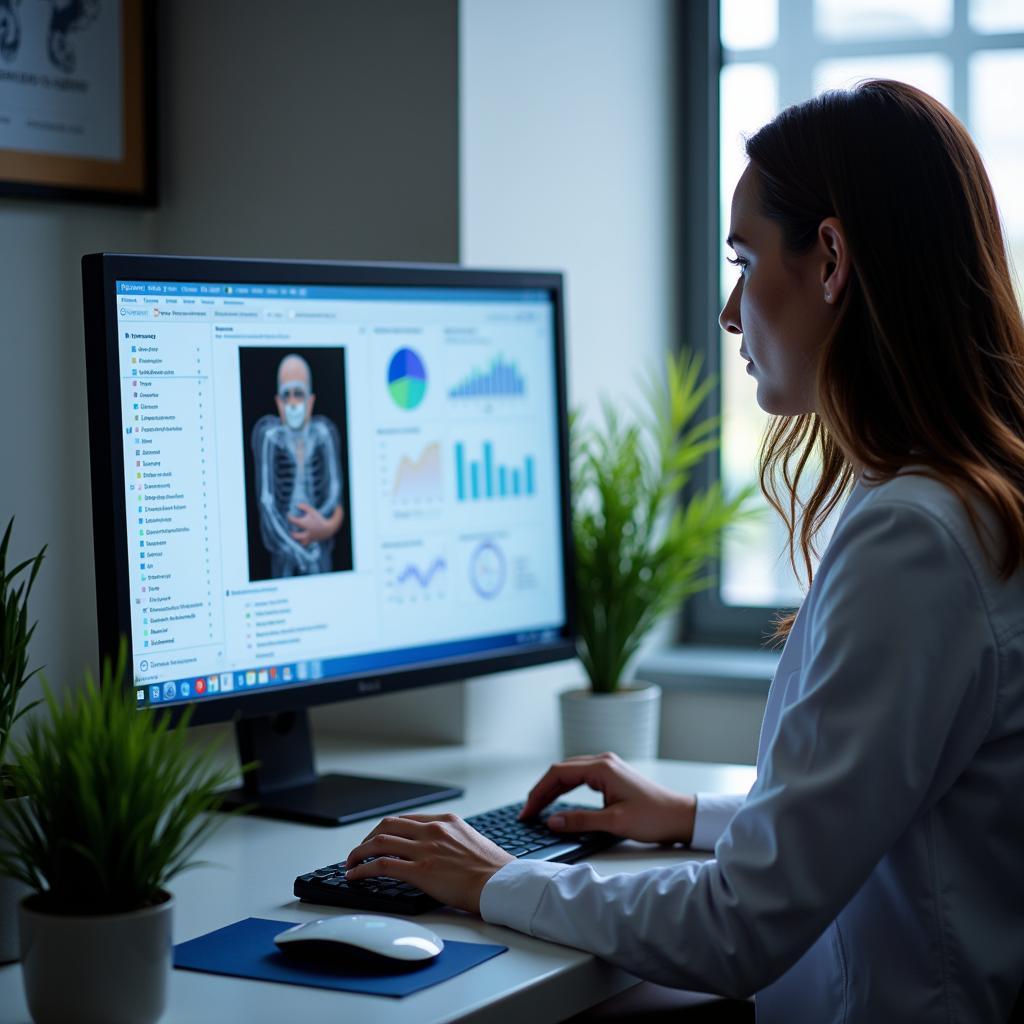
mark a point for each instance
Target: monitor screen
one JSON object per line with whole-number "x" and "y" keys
{"x": 325, "y": 480}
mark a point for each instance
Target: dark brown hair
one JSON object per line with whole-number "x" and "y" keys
{"x": 925, "y": 363}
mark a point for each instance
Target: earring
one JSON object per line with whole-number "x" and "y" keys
{"x": 828, "y": 296}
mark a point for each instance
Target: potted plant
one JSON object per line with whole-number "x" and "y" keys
{"x": 15, "y": 634}
{"x": 115, "y": 810}
{"x": 641, "y": 548}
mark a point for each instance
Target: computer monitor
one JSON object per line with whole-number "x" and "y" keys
{"x": 315, "y": 481}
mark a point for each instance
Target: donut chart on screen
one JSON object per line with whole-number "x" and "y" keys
{"x": 407, "y": 378}
{"x": 487, "y": 569}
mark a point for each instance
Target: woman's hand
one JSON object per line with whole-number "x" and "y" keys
{"x": 438, "y": 853}
{"x": 634, "y": 807}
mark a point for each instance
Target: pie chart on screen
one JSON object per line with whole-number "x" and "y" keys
{"x": 407, "y": 379}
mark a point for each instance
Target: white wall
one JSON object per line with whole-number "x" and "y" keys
{"x": 566, "y": 112}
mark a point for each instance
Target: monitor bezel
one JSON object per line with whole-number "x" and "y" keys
{"x": 100, "y": 271}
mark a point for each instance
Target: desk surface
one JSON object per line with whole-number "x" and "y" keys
{"x": 254, "y": 861}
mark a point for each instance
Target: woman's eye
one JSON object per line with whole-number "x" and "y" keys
{"x": 737, "y": 261}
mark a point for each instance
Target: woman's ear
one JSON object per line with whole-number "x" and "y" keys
{"x": 835, "y": 259}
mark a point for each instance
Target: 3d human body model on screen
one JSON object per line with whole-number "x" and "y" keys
{"x": 297, "y": 461}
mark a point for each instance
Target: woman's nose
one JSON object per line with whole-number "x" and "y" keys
{"x": 729, "y": 318}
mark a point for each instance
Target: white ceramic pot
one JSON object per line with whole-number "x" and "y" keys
{"x": 109, "y": 968}
{"x": 625, "y": 722}
{"x": 12, "y": 892}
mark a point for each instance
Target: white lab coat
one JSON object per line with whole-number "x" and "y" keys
{"x": 875, "y": 871}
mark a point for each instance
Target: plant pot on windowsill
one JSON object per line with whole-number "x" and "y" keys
{"x": 93, "y": 967}
{"x": 625, "y": 722}
{"x": 640, "y": 549}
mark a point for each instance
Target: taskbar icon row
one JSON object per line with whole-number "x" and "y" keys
{"x": 219, "y": 683}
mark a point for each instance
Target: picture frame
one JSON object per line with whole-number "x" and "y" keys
{"x": 78, "y": 100}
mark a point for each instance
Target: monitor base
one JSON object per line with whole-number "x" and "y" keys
{"x": 280, "y": 781}
{"x": 339, "y": 799}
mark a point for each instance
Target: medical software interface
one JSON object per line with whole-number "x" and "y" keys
{"x": 322, "y": 481}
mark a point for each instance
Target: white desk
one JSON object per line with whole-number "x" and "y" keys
{"x": 535, "y": 981}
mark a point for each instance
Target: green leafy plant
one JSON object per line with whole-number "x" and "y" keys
{"x": 640, "y": 549}
{"x": 15, "y": 634}
{"x": 116, "y": 801}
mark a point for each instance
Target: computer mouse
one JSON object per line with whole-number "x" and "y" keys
{"x": 362, "y": 940}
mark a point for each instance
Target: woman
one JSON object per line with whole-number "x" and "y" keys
{"x": 875, "y": 871}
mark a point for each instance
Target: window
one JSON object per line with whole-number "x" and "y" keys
{"x": 758, "y": 56}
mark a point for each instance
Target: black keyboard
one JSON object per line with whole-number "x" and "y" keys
{"x": 530, "y": 840}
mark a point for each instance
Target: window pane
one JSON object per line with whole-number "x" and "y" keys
{"x": 996, "y": 85}
{"x": 749, "y": 24}
{"x": 997, "y": 16}
{"x": 843, "y": 20}
{"x": 931, "y": 72}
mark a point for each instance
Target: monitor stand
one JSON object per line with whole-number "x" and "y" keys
{"x": 284, "y": 783}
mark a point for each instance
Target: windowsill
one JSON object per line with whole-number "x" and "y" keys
{"x": 691, "y": 668}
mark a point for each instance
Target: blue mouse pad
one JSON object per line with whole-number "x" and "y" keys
{"x": 246, "y": 949}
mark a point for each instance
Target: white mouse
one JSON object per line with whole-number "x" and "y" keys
{"x": 362, "y": 940}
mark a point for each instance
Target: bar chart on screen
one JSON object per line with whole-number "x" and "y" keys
{"x": 485, "y": 478}
{"x": 499, "y": 380}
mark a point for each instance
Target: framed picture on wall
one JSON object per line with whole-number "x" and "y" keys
{"x": 77, "y": 99}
